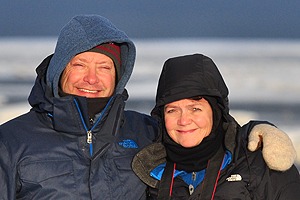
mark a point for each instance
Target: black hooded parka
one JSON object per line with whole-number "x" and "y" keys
{"x": 246, "y": 177}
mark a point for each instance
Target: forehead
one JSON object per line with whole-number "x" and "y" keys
{"x": 187, "y": 102}
{"x": 91, "y": 56}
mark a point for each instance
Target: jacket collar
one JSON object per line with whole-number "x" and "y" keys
{"x": 67, "y": 113}
{"x": 155, "y": 154}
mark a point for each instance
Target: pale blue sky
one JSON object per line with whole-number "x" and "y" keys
{"x": 159, "y": 19}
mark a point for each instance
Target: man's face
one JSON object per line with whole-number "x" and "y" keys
{"x": 89, "y": 74}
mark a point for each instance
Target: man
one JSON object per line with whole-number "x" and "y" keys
{"x": 77, "y": 142}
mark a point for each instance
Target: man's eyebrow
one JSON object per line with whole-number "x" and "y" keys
{"x": 86, "y": 60}
{"x": 79, "y": 59}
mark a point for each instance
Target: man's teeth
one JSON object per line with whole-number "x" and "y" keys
{"x": 89, "y": 91}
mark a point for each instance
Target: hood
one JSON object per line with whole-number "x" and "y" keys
{"x": 189, "y": 76}
{"x": 82, "y": 33}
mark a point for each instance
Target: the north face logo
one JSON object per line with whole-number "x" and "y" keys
{"x": 129, "y": 144}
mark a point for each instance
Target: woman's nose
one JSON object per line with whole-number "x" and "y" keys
{"x": 184, "y": 119}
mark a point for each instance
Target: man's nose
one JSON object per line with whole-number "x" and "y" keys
{"x": 91, "y": 76}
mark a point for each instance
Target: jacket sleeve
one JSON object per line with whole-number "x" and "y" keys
{"x": 286, "y": 184}
{"x": 277, "y": 147}
{"x": 7, "y": 183}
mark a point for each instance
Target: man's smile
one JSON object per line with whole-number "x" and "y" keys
{"x": 88, "y": 91}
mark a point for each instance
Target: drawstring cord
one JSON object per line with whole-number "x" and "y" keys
{"x": 247, "y": 159}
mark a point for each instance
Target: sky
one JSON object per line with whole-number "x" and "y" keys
{"x": 158, "y": 19}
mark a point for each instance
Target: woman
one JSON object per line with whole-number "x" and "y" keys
{"x": 202, "y": 152}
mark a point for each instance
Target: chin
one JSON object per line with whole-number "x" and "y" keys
{"x": 189, "y": 145}
{"x": 92, "y": 96}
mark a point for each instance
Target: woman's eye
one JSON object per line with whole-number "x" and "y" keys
{"x": 170, "y": 111}
{"x": 196, "y": 109}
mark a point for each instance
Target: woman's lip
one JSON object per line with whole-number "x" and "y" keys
{"x": 186, "y": 131}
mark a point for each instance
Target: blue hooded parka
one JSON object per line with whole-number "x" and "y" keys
{"x": 45, "y": 153}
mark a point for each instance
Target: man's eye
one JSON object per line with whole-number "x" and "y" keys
{"x": 105, "y": 67}
{"x": 77, "y": 65}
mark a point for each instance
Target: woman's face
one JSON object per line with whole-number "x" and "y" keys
{"x": 188, "y": 121}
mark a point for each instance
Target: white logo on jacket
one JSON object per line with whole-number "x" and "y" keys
{"x": 234, "y": 177}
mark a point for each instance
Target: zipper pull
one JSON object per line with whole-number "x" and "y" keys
{"x": 89, "y": 137}
{"x": 89, "y": 141}
{"x": 191, "y": 187}
{"x": 194, "y": 176}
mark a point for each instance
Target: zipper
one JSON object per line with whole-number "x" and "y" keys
{"x": 89, "y": 140}
{"x": 194, "y": 175}
{"x": 191, "y": 187}
{"x": 89, "y": 133}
